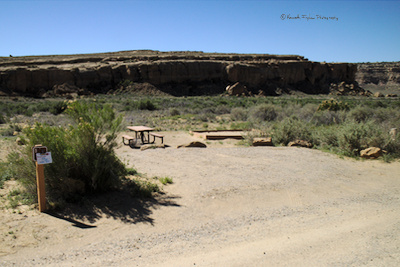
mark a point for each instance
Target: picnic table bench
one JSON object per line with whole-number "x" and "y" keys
{"x": 159, "y": 136}
{"x": 142, "y": 134}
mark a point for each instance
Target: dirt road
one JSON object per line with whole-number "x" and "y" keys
{"x": 232, "y": 206}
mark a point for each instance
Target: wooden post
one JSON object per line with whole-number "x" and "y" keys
{"x": 40, "y": 187}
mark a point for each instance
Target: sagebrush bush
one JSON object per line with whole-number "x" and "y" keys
{"x": 146, "y": 104}
{"x": 2, "y": 119}
{"x": 326, "y": 117}
{"x": 260, "y": 113}
{"x": 174, "y": 112}
{"x": 83, "y": 154}
{"x": 326, "y": 136}
{"x": 290, "y": 129}
{"x": 360, "y": 114}
{"x": 238, "y": 114}
{"x": 354, "y": 137}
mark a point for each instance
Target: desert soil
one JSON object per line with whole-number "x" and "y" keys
{"x": 228, "y": 206}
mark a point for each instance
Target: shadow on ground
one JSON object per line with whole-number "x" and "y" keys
{"x": 118, "y": 205}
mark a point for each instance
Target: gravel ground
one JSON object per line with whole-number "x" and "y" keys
{"x": 235, "y": 206}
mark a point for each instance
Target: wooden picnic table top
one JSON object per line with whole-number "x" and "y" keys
{"x": 140, "y": 128}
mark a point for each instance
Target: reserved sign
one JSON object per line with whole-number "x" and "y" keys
{"x": 44, "y": 158}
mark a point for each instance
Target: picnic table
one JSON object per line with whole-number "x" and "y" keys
{"x": 143, "y": 134}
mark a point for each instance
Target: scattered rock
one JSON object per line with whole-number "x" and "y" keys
{"x": 348, "y": 89}
{"x": 151, "y": 146}
{"x": 237, "y": 89}
{"x": 19, "y": 141}
{"x": 301, "y": 143}
{"x": 193, "y": 144}
{"x": 378, "y": 94}
{"x": 393, "y": 133}
{"x": 371, "y": 153}
{"x": 262, "y": 141}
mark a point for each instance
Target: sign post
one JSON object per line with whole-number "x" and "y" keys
{"x": 41, "y": 157}
{"x": 41, "y": 191}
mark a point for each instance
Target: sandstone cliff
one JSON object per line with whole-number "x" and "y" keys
{"x": 381, "y": 76}
{"x": 176, "y": 73}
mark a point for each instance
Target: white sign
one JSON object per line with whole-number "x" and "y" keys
{"x": 44, "y": 158}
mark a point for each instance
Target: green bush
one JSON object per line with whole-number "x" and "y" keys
{"x": 166, "y": 180}
{"x": 265, "y": 112}
{"x": 326, "y": 136}
{"x": 58, "y": 107}
{"x": 83, "y": 154}
{"x": 5, "y": 173}
{"x": 290, "y": 129}
{"x": 174, "y": 112}
{"x": 2, "y": 119}
{"x": 238, "y": 114}
{"x": 360, "y": 114}
{"x": 146, "y": 105}
{"x": 354, "y": 137}
{"x": 326, "y": 117}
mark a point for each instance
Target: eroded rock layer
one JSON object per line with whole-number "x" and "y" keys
{"x": 381, "y": 73}
{"x": 175, "y": 73}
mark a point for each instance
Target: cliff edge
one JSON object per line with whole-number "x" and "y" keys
{"x": 174, "y": 73}
{"x": 380, "y": 76}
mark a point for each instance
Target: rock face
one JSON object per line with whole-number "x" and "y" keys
{"x": 194, "y": 144}
{"x": 237, "y": 89}
{"x": 262, "y": 141}
{"x": 175, "y": 73}
{"x": 380, "y": 77}
{"x": 371, "y": 153}
{"x": 301, "y": 143}
{"x": 381, "y": 73}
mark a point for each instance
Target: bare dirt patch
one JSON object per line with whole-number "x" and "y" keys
{"x": 228, "y": 206}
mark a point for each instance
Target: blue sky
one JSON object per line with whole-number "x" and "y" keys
{"x": 365, "y": 31}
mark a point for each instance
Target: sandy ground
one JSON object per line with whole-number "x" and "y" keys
{"x": 228, "y": 206}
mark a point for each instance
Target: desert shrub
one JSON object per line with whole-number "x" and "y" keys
{"x": 333, "y": 105}
{"x": 392, "y": 147}
{"x": 306, "y": 112}
{"x": 326, "y": 136}
{"x": 83, "y": 154}
{"x": 58, "y": 107}
{"x": 326, "y": 117}
{"x": 238, "y": 114}
{"x": 206, "y": 117}
{"x": 389, "y": 116}
{"x": 360, "y": 114}
{"x": 265, "y": 112}
{"x": 354, "y": 137}
{"x": 174, "y": 112}
{"x": 146, "y": 104}
{"x": 5, "y": 173}
{"x": 2, "y": 119}
{"x": 223, "y": 109}
{"x": 9, "y": 131}
{"x": 290, "y": 129}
